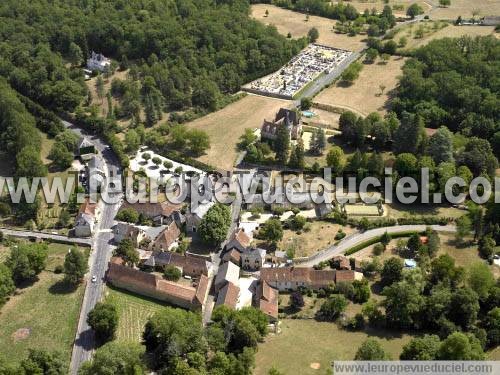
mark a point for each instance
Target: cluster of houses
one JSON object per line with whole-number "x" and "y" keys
{"x": 247, "y": 275}
{"x": 314, "y": 60}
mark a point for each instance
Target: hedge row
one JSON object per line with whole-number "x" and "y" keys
{"x": 365, "y": 224}
{"x": 377, "y": 239}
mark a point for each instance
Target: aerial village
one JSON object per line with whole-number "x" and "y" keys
{"x": 299, "y": 94}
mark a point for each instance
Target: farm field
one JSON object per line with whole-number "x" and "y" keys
{"x": 133, "y": 312}
{"x": 287, "y": 21}
{"x": 225, "y": 127}
{"x": 364, "y": 95}
{"x": 304, "y": 344}
{"x": 25, "y": 322}
{"x": 308, "y": 243}
{"x": 431, "y": 33}
{"x": 465, "y": 8}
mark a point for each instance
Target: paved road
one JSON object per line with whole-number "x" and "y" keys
{"x": 326, "y": 79}
{"x": 360, "y": 237}
{"x": 47, "y": 236}
{"x": 98, "y": 263}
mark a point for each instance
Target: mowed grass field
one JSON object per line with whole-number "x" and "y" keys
{"x": 47, "y": 309}
{"x": 364, "y": 95}
{"x": 432, "y": 33}
{"x": 225, "y": 127}
{"x": 465, "y": 8}
{"x": 133, "y": 312}
{"x": 304, "y": 344}
{"x": 287, "y": 21}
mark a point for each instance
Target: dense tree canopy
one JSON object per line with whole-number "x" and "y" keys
{"x": 454, "y": 82}
{"x": 75, "y": 266}
{"x": 192, "y": 50}
{"x": 19, "y": 138}
{"x": 103, "y": 319}
{"x": 115, "y": 358}
{"x": 215, "y": 224}
{"x": 26, "y": 261}
{"x": 7, "y": 286}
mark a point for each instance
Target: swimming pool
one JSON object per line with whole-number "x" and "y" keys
{"x": 308, "y": 114}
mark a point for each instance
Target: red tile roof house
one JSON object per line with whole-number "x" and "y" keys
{"x": 85, "y": 220}
{"x": 228, "y": 295}
{"x": 239, "y": 240}
{"x": 228, "y": 272}
{"x": 292, "y": 278}
{"x": 341, "y": 262}
{"x": 190, "y": 265}
{"x": 266, "y": 299}
{"x": 167, "y": 238}
{"x": 151, "y": 285}
{"x": 232, "y": 256}
{"x": 157, "y": 212}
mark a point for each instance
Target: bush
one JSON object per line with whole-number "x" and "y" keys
{"x": 305, "y": 103}
{"x": 296, "y": 300}
{"x": 345, "y": 288}
{"x": 356, "y": 323}
{"x": 128, "y": 215}
{"x": 297, "y": 222}
{"x": 340, "y": 235}
{"x": 172, "y": 273}
{"x": 333, "y": 307}
{"x": 378, "y": 249}
{"x": 58, "y": 269}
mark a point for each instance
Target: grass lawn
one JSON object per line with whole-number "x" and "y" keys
{"x": 465, "y": 8}
{"x": 398, "y": 210}
{"x": 47, "y": 310}
{"x": 464, "y": 255}
{"x": 365, "y": 95}
{"x": 287, "y": 21}
{"x": 319, "y": 237}
{"x": 494, "y": 355}
{"x": 436, "y": 30}
{"x": 133, "y": 311}
{"x": 303, "y": 344}
{"x": 225, "y": 126}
